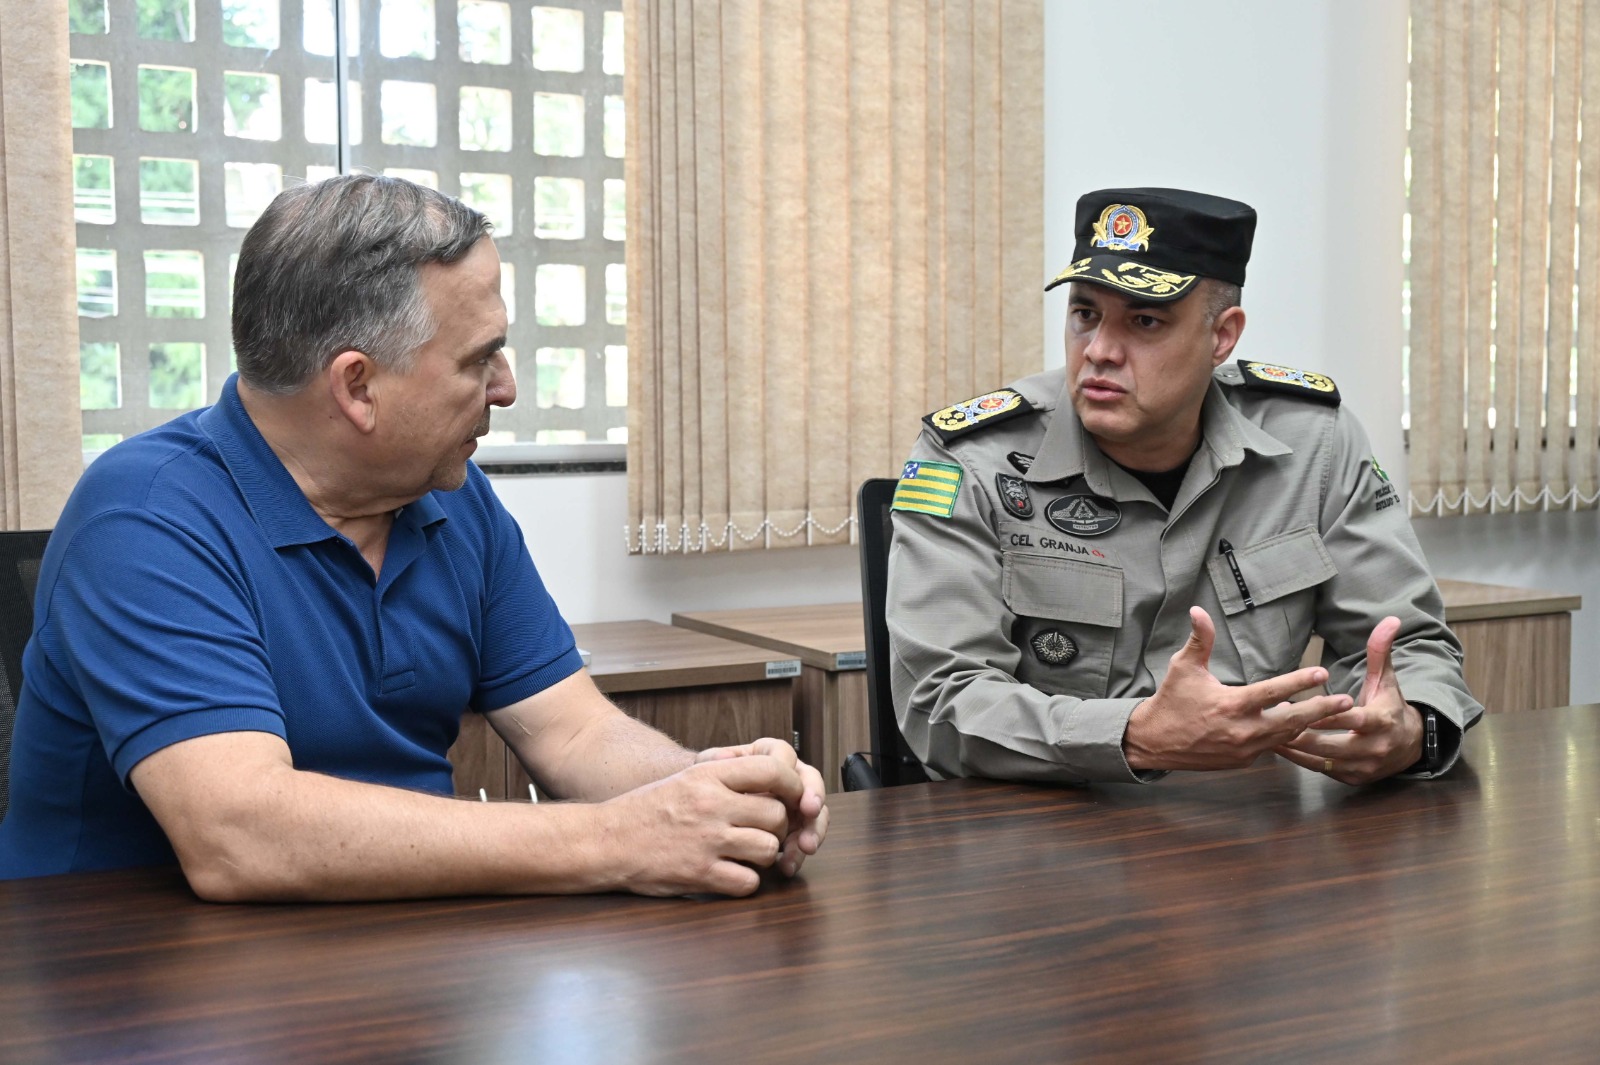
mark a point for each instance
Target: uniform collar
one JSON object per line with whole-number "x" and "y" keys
{"x": 1068, "y": 450}
{"x": 276, "y": 502}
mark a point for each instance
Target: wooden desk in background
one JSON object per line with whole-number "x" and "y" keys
{"x": 830, "y": 698}
{"x": 1262, "y": 915}
{"x": 1517, "y": 642}
{"x": 1518, "y": 645}
{"x": 700, "y": 690}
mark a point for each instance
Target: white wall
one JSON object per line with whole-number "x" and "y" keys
{"x": 1296, "y": 108}
{"x": 573, "y": 524}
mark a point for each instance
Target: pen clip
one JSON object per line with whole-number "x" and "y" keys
{"x": 1226, "y": 550}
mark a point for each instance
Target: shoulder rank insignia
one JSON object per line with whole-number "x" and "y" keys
{"x": 1267, "y": 377}
{"x": 927, "y": 488}
{"x": 987, "y": 409}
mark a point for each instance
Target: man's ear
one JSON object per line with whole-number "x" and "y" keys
{"x": 1225, "y": 333}
{"x": 351, "y": 379}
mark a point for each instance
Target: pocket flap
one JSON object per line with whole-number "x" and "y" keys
{"x": 1063, "y": 589}
{"x": 1275, "y": 567}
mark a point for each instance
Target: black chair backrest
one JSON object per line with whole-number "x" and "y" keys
{"x": 895, "y": 763}
{"x": 20, "y": 554}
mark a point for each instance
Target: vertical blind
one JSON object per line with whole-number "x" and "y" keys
{"x": 1505, "y": 255}
{"x": 834, "y": 226}
{"x": 40, "y": 428}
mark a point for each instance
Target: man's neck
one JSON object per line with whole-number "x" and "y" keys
{"x": 302, "y": 439}
{"x": 1152, "y": 456}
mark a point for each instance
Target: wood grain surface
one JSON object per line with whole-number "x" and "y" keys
{"x": 1517, "y": 663}
{"x": 1472, "y": 601}
{"x": 648, "y": 656}
{"x": 828, "y": 636}
{"x": 1262, "y": 915}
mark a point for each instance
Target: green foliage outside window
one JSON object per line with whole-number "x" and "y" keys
{"x": 166, "y": 99}
{"x": 177, "y": 376}
{"x": 166, "y": 20}
{"x": 99, "y": 376}
{"x": 86, "y": 16}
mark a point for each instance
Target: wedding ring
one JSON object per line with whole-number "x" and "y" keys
{"x": 1327, "y": 765}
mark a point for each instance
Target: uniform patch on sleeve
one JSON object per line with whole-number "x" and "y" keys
{"x": 1268, "y": 377}
{"x": 928, "y": 488}
{"x": 1386, "y": 496}
{"x": 990, "y": 408}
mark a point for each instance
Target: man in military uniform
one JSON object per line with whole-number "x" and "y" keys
{"x": 1112, "y": 570}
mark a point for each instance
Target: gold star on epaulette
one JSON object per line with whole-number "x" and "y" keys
{"x": 1306, "y": 384}
{"x": 987, "y": 409}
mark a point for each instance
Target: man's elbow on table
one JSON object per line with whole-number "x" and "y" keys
{"x": 210, "y": 795}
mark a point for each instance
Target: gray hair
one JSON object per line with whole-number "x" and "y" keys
{"x": 1218, "y": 296}
{"x": 333, "y": 266}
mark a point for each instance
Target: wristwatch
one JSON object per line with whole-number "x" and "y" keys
{"x": 1430, "y": 762}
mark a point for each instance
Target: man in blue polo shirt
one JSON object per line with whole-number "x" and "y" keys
{"x": 257, "y": 626}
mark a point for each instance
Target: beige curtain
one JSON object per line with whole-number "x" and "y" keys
{"x": 41, "y": 433}
{"x": 1505, "y": 255}
{"x": 835, "y": 224}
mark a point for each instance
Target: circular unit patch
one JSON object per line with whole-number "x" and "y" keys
{"x": 1054, "y": 647}
{"x": 1083, "y": 515}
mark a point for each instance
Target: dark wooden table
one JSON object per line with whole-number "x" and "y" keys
{"x": 1265, "y": 915}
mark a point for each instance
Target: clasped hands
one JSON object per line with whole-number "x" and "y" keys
{"x": 807, "y": 817}
{"x": 1194, "y": 721}
{"x": 714, "y": 825}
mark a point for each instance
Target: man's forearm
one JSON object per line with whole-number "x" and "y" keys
{"x": 277, "y": 833}
{"x": 577, "y": 745}
{"x": 612, "y": 754}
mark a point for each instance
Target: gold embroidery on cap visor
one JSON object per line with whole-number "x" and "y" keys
{"x": 1288, "y": 375}
{"x": 1129, "y": 277}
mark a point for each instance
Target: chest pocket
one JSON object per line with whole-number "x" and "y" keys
{"x": 1282, "y": 573}
{"x": 1068, "y": 614}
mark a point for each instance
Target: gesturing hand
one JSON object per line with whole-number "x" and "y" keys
{"x": 808, "y": 820}
{"x": 1194, "y": 721}
{"x": 1378, "y": 737}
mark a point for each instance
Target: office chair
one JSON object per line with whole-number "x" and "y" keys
{"x": 892, "y": 762}
{"x": 20, "y": 553}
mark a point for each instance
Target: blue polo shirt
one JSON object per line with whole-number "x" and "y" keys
{"x": 191, "y": 589}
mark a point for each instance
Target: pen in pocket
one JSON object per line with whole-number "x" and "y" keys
{"x": 1226, "y": 550}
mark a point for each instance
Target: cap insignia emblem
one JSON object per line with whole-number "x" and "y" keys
{"x": 1123, "y": 227}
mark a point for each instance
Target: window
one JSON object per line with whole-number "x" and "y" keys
{"x": 190, "y": 115}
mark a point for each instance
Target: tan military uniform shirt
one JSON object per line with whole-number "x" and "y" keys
{"x": 1021, "y": 645}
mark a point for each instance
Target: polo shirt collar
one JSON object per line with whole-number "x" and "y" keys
{"x": 1068, "y": 450}
{"x": 424, "y": 512}
{"x": 276, "y": 502}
